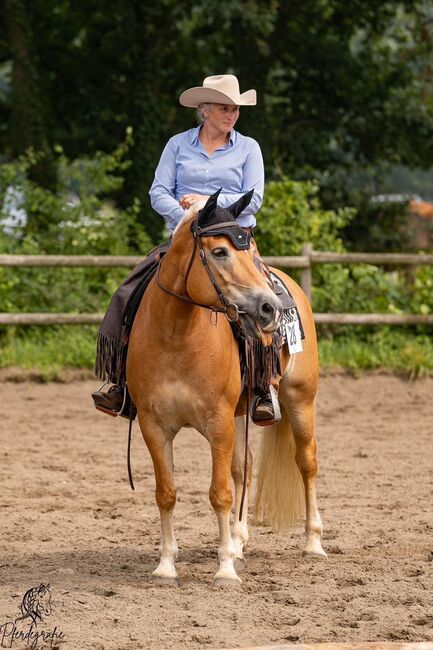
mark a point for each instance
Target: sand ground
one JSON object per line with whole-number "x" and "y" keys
{"x": 70, "y": 519}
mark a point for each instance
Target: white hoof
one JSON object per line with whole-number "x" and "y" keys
{"x": 313, "y": 548}
{"x": 165, "y": 571}
{"x": 226, "y": 577}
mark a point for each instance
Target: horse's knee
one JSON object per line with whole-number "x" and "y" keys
{"x": 166, "y": 498}
{"x": 238, "y": 469}
{"x": 221, "y": 499}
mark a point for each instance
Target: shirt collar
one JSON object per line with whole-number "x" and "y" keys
{"x": 195, "y": 133}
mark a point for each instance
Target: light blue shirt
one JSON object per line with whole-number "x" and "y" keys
{"x": 186, "y": 168}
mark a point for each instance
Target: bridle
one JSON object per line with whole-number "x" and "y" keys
{"x": 230, "y": 309}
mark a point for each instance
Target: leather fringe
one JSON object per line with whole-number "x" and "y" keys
{"x": 262, "y": 363}
{"x": 111, "y": 358}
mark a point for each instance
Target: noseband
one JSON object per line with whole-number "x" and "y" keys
{"x": 230, "y": 309}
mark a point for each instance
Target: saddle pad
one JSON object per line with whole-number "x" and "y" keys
{"x": 286, "y": 298}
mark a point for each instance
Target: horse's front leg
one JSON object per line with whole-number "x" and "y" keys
{"x": 221, "y": 438}
{"x": 160, "y": 446}
{"x": 240, "y": 527}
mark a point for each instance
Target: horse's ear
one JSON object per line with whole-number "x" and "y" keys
{"x": 240, "y": 205}
{"x": 207, "y": 210}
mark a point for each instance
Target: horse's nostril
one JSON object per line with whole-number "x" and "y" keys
{"x": 268, "y": 310}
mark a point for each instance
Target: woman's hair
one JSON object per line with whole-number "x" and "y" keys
{"x": 200, "y": 111}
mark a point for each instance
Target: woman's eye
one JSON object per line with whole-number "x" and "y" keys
{"x": 220, "y": 252}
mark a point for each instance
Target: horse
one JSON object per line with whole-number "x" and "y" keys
{"x": 36, "y": 604}
{"x": 183, "y": 369}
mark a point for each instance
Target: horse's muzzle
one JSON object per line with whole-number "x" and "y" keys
{"x": 260, "y": 311}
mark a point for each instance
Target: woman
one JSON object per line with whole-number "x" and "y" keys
{"x": 196, "y": 163}
{"x": 193, "y": 165}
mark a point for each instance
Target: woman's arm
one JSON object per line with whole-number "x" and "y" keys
{"x": 162, "y": 191}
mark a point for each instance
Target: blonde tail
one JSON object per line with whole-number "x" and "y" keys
{"x": 280, "y": 496}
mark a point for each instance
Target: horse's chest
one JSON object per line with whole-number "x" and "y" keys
{"x": 177, "y": 403}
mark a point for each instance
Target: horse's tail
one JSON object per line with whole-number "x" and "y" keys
{"x": 280, "y": 496}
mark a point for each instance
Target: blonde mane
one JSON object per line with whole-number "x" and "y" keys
{"x": 189, "y": 215}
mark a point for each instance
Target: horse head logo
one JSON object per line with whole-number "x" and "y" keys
{"x": 36, "y": 604}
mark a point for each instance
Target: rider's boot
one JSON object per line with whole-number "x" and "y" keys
{"x": 116, "y": 401}
{"x": 265, "y": 409}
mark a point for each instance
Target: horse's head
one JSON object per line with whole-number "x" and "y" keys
{"x": 220, "y": 269}
{"x": 36, "y": 603}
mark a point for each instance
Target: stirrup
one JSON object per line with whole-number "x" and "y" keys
{"x": 275, "y": 407}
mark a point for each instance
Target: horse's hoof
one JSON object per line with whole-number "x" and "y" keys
{"x": 165, "y": 581}
{"x": 314, "y": 555}
{"x": 227, "y": 582}
{"x": 240, "y": 564}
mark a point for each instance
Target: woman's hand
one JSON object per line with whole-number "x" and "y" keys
{"x": 187, "y": 200}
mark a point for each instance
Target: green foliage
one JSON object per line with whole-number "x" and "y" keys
{"x": 49, "y": 350}
{"x": 291, "y": 215}
{"x": 341, "y": 86}
{"x": 77, "y": 219}
{"x": 386, "y": 348}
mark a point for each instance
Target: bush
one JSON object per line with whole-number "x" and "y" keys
{"x": 78, "y": 218}
{"x": 291, "y": 216}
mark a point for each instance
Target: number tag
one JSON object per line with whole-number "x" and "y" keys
{"x": 293, "y": 332}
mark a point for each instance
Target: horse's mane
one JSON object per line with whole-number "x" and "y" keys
{"x": 189, "y": 215}
{"x": 27, "y": 605}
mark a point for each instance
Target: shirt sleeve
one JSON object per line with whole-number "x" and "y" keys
{"x": 253, "y": 179}
{"x": 163, "y": 187}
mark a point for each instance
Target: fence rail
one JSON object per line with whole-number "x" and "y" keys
{"x": 306, "y": 261}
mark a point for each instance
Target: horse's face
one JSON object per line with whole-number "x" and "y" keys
{"x": 43, "y": 601}
{"x": 243, "y": 285}
{"x": 233, "y": 268}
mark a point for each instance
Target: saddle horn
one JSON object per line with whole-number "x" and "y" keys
{"x": 239, "y": 206}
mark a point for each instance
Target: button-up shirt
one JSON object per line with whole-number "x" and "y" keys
{"x": 185, "y": 167}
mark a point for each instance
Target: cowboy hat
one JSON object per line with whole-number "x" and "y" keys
{"x": 219, "y": 89}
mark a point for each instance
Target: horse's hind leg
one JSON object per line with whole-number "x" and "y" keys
{"x": 301, "y": 415}
{"x": 240, "y": 528}
{"x": 160, "y": 446}
{"x": 221, "y": 439}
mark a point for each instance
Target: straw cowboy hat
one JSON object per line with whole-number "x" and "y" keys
{"x": 220, "y": 89}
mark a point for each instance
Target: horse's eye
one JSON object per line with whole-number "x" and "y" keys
{"x": 220, "y": 252}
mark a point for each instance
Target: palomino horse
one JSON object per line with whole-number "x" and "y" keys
{"x": 183, "y": 370}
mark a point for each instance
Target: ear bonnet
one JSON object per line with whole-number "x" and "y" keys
{"x": 213, "y": 221}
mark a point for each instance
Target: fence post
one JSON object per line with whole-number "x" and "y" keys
{"x": 307, "y": 274}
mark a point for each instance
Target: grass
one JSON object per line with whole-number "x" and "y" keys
{"x": 48, "y": 351}
{"x": 386, "y": 348}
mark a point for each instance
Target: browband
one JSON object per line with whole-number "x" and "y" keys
{"x": 239, "y": 237}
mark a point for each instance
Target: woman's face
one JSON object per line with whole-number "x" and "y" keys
{"x": 222, "y": 117}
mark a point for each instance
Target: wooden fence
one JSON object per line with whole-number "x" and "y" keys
{"x": 306, "y": 262}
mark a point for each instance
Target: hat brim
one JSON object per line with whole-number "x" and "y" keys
{"x": 193, "y": 97}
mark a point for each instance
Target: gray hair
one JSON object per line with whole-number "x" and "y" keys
{"x": 201, "y": 111}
